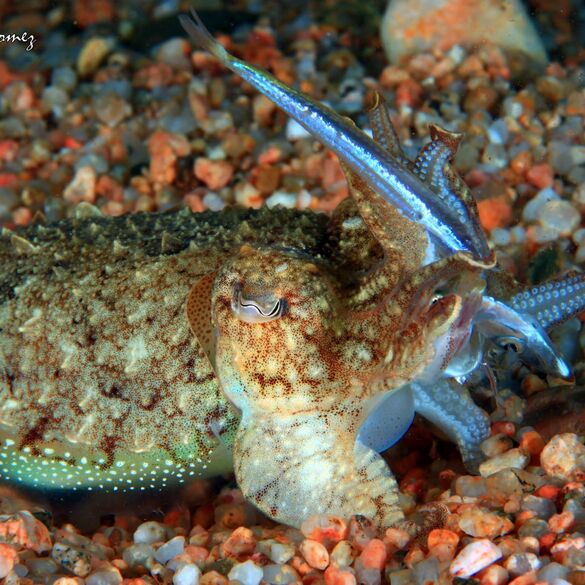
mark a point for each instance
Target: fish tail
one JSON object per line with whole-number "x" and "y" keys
{"x": 201, "y": 37}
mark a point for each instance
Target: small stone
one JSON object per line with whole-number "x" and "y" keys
{"x": 187, "y": 574}
{"x": 139, "y": 554}
{"x": 82, "y": 186}
{"x": 92, "y": 54}
{"x": 23, "y": 530}
{"x": 174, "y": 52}
{"x": 213, "y": 578}
{"x": 247, "y": 573}
{"x": 560, "y": 216}
{"x": 277, "y": 552}
{"x": 542, "y": 507}
{"x": 240, "y": 542}
{"x": 72, "y": 558}
{"x": 514, "y": 458}
{"x": 150, "y": 532}
{"x": 480, "y": 522}
{"x": 540, "y": 175}
{"x": 533, "y": 207}
{"x": 470, "y": 486}
{"x": 520, "y": 563}
{"x": 564, "y": 457}
{"x": 8, "y": 558}
{"x": 442, "y": 544}
{"x": 342, "y": 554}
{"x": 328, "y": 530}
{"x": 170, "y": 549}
{"x": 111, "y": 109}
{"x": 109, "y": 576}
{"x": 496, "y": 445}
{"x": 494, "y": 575}
{"x": 280, "y": 575}
{"x": 474, "y": 557}
{"x": 315, "y": 554}
{"x": 214, "y": 173}
{"x": 335, "y": 576}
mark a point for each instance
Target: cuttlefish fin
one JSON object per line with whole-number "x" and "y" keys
{"x": 292, "y": 466}
{"x": 198, "y": 312}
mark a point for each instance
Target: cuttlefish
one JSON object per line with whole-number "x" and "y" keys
{"x": 138, "y": 352}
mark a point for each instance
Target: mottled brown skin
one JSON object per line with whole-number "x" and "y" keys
{"x": 96, "y": 357}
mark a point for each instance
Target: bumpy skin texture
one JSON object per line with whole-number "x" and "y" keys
{"x": 101, "y": 381}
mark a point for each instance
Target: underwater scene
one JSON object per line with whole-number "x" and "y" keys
{"x": 292, "y": 292}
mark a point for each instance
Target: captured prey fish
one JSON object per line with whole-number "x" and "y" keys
{"x": 126, "y": 342}
{"x": 452, "y": 225}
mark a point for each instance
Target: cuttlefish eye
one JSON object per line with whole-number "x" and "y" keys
{"x": 512, "y": 343}
{"x": 260, "y": 309}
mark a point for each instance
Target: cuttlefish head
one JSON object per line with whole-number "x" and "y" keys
{"x": 277, "y": 321}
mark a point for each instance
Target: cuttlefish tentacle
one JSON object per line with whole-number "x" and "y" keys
{"x": 448, "y": 405}
{"x": 383, "y": 130}
{"x": 552, "y": 302}
{"x": 388, "y": 176}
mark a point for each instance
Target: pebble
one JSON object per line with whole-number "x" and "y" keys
{"x": 474, "y": 557}
{"x": 514, "y": 458}
{"x": 23, "y": 531}
{"x": 8, "y": 558}
{"x": 109, "y": 576}
{"x": 277, "y": 552}
{"x": 150, "y": 532}
{"x": 170, "y": 549}
{"x": 187, "y": 574}
{"x": 560, "y": 216}
{"x": 328, "y": 530}
{"x": 92, "y": 54}
{"x": 247, "y": 573}
{"x": 72, "y": 559}
{"x": 82, "y": 186}
{"x": 294, "y": 131}
{"x": 564, "y": 457}
{"x": 215, "y": 174}
{"x": 532, "y": 209}
{"x": 279, "y": 575}
{"x": 315, "y": 554}
{"x": 240, "y": 542}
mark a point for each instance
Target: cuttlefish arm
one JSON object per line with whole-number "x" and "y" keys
{"x": 395, "y": 182}
{"x": 448, "y": 405}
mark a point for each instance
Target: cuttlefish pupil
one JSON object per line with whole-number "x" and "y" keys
{"x": 260, "y": 309}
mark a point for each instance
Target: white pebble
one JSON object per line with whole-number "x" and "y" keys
{"x": 170, "y": 550}
{"x": 500, "y": 237}
{"x": 530, "y": 211}
{"x": 560, "y": 216}
{"x": 514, "y": 458}
{"x": 187, "y": 574}
{"x": 277, "y": 552}
{"x": 246, "y": 573}
{"x": 281, "y": 198}
{"x": 150, "y": 532}
{"x": 109, "y": 576}
{"x": 474, "y": 557}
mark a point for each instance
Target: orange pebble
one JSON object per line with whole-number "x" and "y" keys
{"x": 550, "y": 492}
{"x": 505, "y": 427}
{"x": 532, "y": 442}
{"x": 546, "y": 541}
{"x": 523, "y": 517}
{"x": 540, "y": 175}
{"x": 494, "y": 212}
{"x": 374, "y": 555}
{"x": 315, "y": 554}
{"x": 440, "y": 535}
{"x": 526, "y": 579}
{"x": 334, "y": 576}
{"x": 562, "y": 522}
